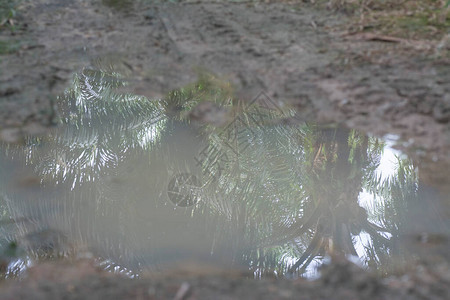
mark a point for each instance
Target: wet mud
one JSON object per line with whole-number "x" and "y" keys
{"x": 341, "y": 280}
{"x": 289, "y": 51}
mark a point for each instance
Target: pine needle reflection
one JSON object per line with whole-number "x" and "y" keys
{"x": 306, "y": 197}
{"x": 147, "y": 182}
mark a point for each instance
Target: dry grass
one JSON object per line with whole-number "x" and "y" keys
{"x": 410, "y": 19}
{"x": 7, "y": 12}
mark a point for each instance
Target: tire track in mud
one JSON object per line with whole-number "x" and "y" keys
{"x": 270, "y": 48}
{"x": 286, "y": 51}
{"x": 252, "y": 46}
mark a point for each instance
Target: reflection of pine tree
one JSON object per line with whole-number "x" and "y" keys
{"x": 290, "y": 178}
{"x": 285, "y": 191}
{"x": 337, "y": 162}
{"x": 405, "y": 207}
{"x": 392, "y": 195}
{"x": 100, "y": 128}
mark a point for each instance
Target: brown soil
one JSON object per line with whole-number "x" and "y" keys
{"x": 340, "y": 280}
{"x": 292, "y": 52}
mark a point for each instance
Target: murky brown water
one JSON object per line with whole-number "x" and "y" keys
{"x": 147, "y": 185}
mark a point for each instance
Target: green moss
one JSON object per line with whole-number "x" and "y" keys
{"x": 418, "y": 19}
{"x": 422, "y": 25}
{"x": 7, "y": 47}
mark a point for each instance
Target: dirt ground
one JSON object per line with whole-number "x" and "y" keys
{"x": 294, "y": 52}
{"x": 340, "y": 280}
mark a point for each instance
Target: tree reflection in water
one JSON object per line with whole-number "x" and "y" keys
{"x": 274, "y": 195}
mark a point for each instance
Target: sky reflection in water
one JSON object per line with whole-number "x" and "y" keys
{"x": 197, "y": 176}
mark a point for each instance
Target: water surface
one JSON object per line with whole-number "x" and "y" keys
{"x": 149, "y": 184}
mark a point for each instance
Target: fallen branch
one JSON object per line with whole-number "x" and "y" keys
{"x": 366, "y": 36}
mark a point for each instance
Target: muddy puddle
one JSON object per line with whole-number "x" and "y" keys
{"x": 147, "y": 185}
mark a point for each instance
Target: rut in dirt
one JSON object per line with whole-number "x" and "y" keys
{"x": 293, "y": 52}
